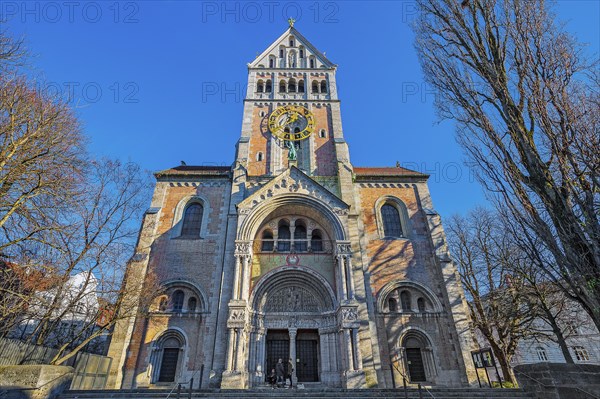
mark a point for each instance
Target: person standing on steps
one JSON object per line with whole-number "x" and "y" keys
{"x": 280, "y": 371}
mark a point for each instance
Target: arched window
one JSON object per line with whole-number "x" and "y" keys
{"x": 268, "y": 86}
{"x": 178, "y": 301}
{"x": 392, "y": 305}
{"x": 421, "y": 304}
{"x": 292, "y": 86}
{"x": 322, "y": 133}
{"x": 259, "y": 156}
{"x": 405, "y": 301}
{"x": 391, "y": 221}
{"x": 282, "y": 86}
{"x": 280, "y": 53}
{"x": 192, "y": 302}
{"x": 312, "y": 62}
{"x": 283, "y": 237}
{"x": 271, "y": 62}
{"x": 291, "y": 42}
{"x": 316, "y": 241}
{"x": 323, "y": 86}
{"x": 300, "y": 243}
{"x": 315, "y": 86}
{"x": 192, "y": 220}
{"x": 301, "y": 53}
{"x": 541, "y": 354}
{"x": 300, "y": 86}
{"x": 260, "y": 87}
{"x": 162, "y": 307}
{"x": 267, "y": 241}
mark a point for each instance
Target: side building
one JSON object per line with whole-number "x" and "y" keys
{"x": 294, "y": 253}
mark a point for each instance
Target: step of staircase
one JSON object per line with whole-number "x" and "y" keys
{"x": 432, "y": 393}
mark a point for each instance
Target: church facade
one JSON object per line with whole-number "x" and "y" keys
{"x": 294, "y": 253}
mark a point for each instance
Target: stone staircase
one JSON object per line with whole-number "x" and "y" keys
{"x": 431, "y": 393}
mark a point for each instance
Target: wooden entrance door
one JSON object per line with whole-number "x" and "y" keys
{"x": 307, "y": 351}
{"x": 414, "y": 360}
{"x": 278, "y": 347}
{"x": 168, "y": 365}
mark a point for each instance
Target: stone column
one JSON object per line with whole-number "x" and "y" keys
{"x": 246, "y": 266}
{"x": 236, "y": 278}
{"x": 293, "y": 332}
{"x": 349, "y": 277}
{"x": 357, "y": 354}
{"x": 230, "y": 344}
{"x": 344, "y": 291}
{"x": 347, "y": 342}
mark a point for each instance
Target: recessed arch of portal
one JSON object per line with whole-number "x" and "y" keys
{"x": 294, "y": 235}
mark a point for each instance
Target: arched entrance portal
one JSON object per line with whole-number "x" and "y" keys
{"x": 293, "y": 317}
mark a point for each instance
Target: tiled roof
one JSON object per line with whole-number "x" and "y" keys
{"x": 191, "y": 170}
{"x": 387, "y": 171}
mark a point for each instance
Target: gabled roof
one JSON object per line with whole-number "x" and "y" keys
{"x": 295, "y": 181}
{"x": 262, "y": 58}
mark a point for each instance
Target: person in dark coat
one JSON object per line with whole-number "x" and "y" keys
{"x": 280, "y": 372}
{"x": 272, "y": 378}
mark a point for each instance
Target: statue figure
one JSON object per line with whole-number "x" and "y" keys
{"x": 292, "y": 155}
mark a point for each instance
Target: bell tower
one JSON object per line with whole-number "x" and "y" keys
{"x": 291, "y": 75}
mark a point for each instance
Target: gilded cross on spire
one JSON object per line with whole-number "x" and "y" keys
{"x": 291, "y": 22}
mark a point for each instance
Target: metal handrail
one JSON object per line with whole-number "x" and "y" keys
{"x": 405, "y": 378}
{"x": 178, "y": 384}
{"x": 550, "y": 386}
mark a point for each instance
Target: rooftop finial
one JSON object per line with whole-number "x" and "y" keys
{"x": 291, "y": 22}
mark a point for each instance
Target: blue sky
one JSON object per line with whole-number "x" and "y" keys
{"x": 141, "y": 75}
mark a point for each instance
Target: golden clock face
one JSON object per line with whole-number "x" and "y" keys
{"x": 291, "y": 122}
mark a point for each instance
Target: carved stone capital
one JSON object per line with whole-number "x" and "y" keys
{"x": 343, "y": 248}
{"x": 348, "y": 317}
{"x": 237, "y": 318}
{"x": 243, "y": 248}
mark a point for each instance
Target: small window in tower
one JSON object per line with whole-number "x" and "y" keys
{"x": 259, "y": 156}
{"x": 405, "y": 301}
{"x": 421, "y": 305}
{"x": 322, "y": 133}
{"x": 392, "y": 305}
{"x": 282, "y": 86}
{"x": 192, "y": 220}
{"x": 192, "y": 305}
{"x": 262, "y": 114}
{"x": 260, "y": 86}
{"x": 267, "y": 241}
{"x": 268, "y": 86}
{"x": 316, "y": 241}
{"x": 178, "y": 301}
{"x": 283, "y": 237}
{"x": 300, "y": 242}
{"x": 300, "y": 86}
{"x": 292, "y": 86}
{"x": 323, "y": 86}
{"x": 315, "y": 86}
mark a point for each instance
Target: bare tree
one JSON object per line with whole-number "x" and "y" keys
{"x": 101, "y": 224}
{"x": 68, "y": 223}
{"x": 485, "y": 256}
{"x": 527, "y": 106}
